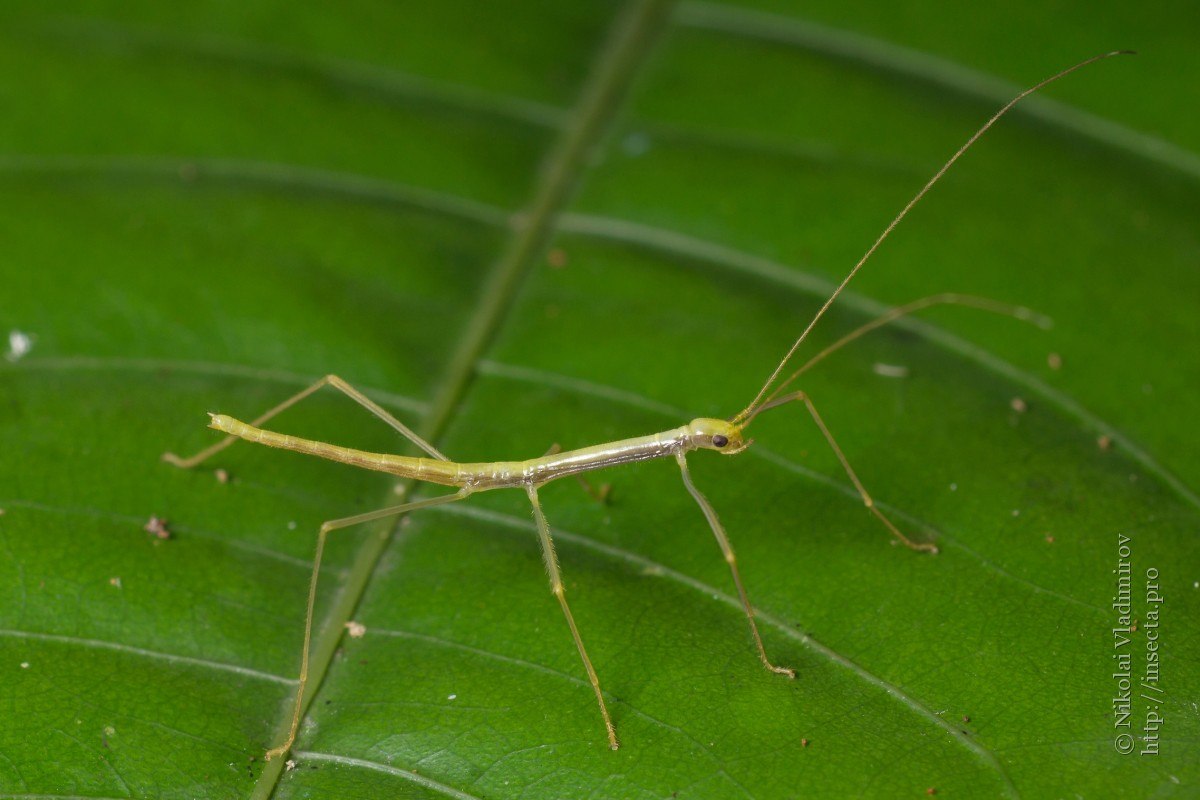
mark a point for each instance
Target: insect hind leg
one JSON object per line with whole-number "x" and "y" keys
{"x": 329, "y": 380}
{"x": 322, "y": 535}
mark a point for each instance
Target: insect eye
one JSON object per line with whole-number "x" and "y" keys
{"x": 719, "y": 441}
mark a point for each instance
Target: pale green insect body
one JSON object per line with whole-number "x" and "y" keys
{"x": 702, "y": 433}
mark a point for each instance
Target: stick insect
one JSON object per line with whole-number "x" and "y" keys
{"x": 727, "y": 437}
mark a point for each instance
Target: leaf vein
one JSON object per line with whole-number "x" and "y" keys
{"x": 895, "y": 59}
{"x": 273, "y": 175}
{"x": 363, "y": 77}
{"x": 386, "y": 769}
{"x": 99, "y": 644}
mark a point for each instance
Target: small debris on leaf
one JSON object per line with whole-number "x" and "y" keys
{"x": 557, "y": 258}
{"x": 158, "y": 527}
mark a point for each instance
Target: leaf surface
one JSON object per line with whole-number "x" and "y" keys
{"x": 516, "y": 227}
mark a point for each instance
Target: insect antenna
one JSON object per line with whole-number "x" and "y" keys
{"x": 946, "y": 298}
{"x": 750, "y": 410}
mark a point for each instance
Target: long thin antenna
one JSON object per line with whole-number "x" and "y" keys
{"x": 946, "y": 298}
{"x": 748, "y": 410}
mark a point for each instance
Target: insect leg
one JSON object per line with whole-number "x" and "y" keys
{"x": 556, "y": 586}
{"x": 328, "y": 380}
{"x": 726, "y": 548}
{"x": 927, "y": 547}
{"x": 332, "y": 525}
{"x": 600, "y": 495}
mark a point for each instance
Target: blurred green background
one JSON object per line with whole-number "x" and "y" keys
{"x": 521, "y": 224}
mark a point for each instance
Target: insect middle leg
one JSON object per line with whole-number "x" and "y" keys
{"x": 719, "y": 531}
{"x": 556, "y": 586}
{"x": 927, "y": 547}
{"x": 328, "y": 380}
{"x": 326, "y": 528}
{"x": 600, "y": 495}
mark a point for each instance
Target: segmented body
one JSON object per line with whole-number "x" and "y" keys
{"x": 490, "y": 474}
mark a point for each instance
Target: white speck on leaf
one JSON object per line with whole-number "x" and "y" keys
{"x": 890, "y": 370}
{"x": 19, "y": 344}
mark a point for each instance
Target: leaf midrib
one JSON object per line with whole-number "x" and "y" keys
{"x": 630, "y": 40}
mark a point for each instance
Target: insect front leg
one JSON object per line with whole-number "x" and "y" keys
{"x": 560, "y": 592}
{"x": 719, "y": 531}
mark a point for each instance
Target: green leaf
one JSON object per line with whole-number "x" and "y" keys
{"x": 516, "y": 225}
